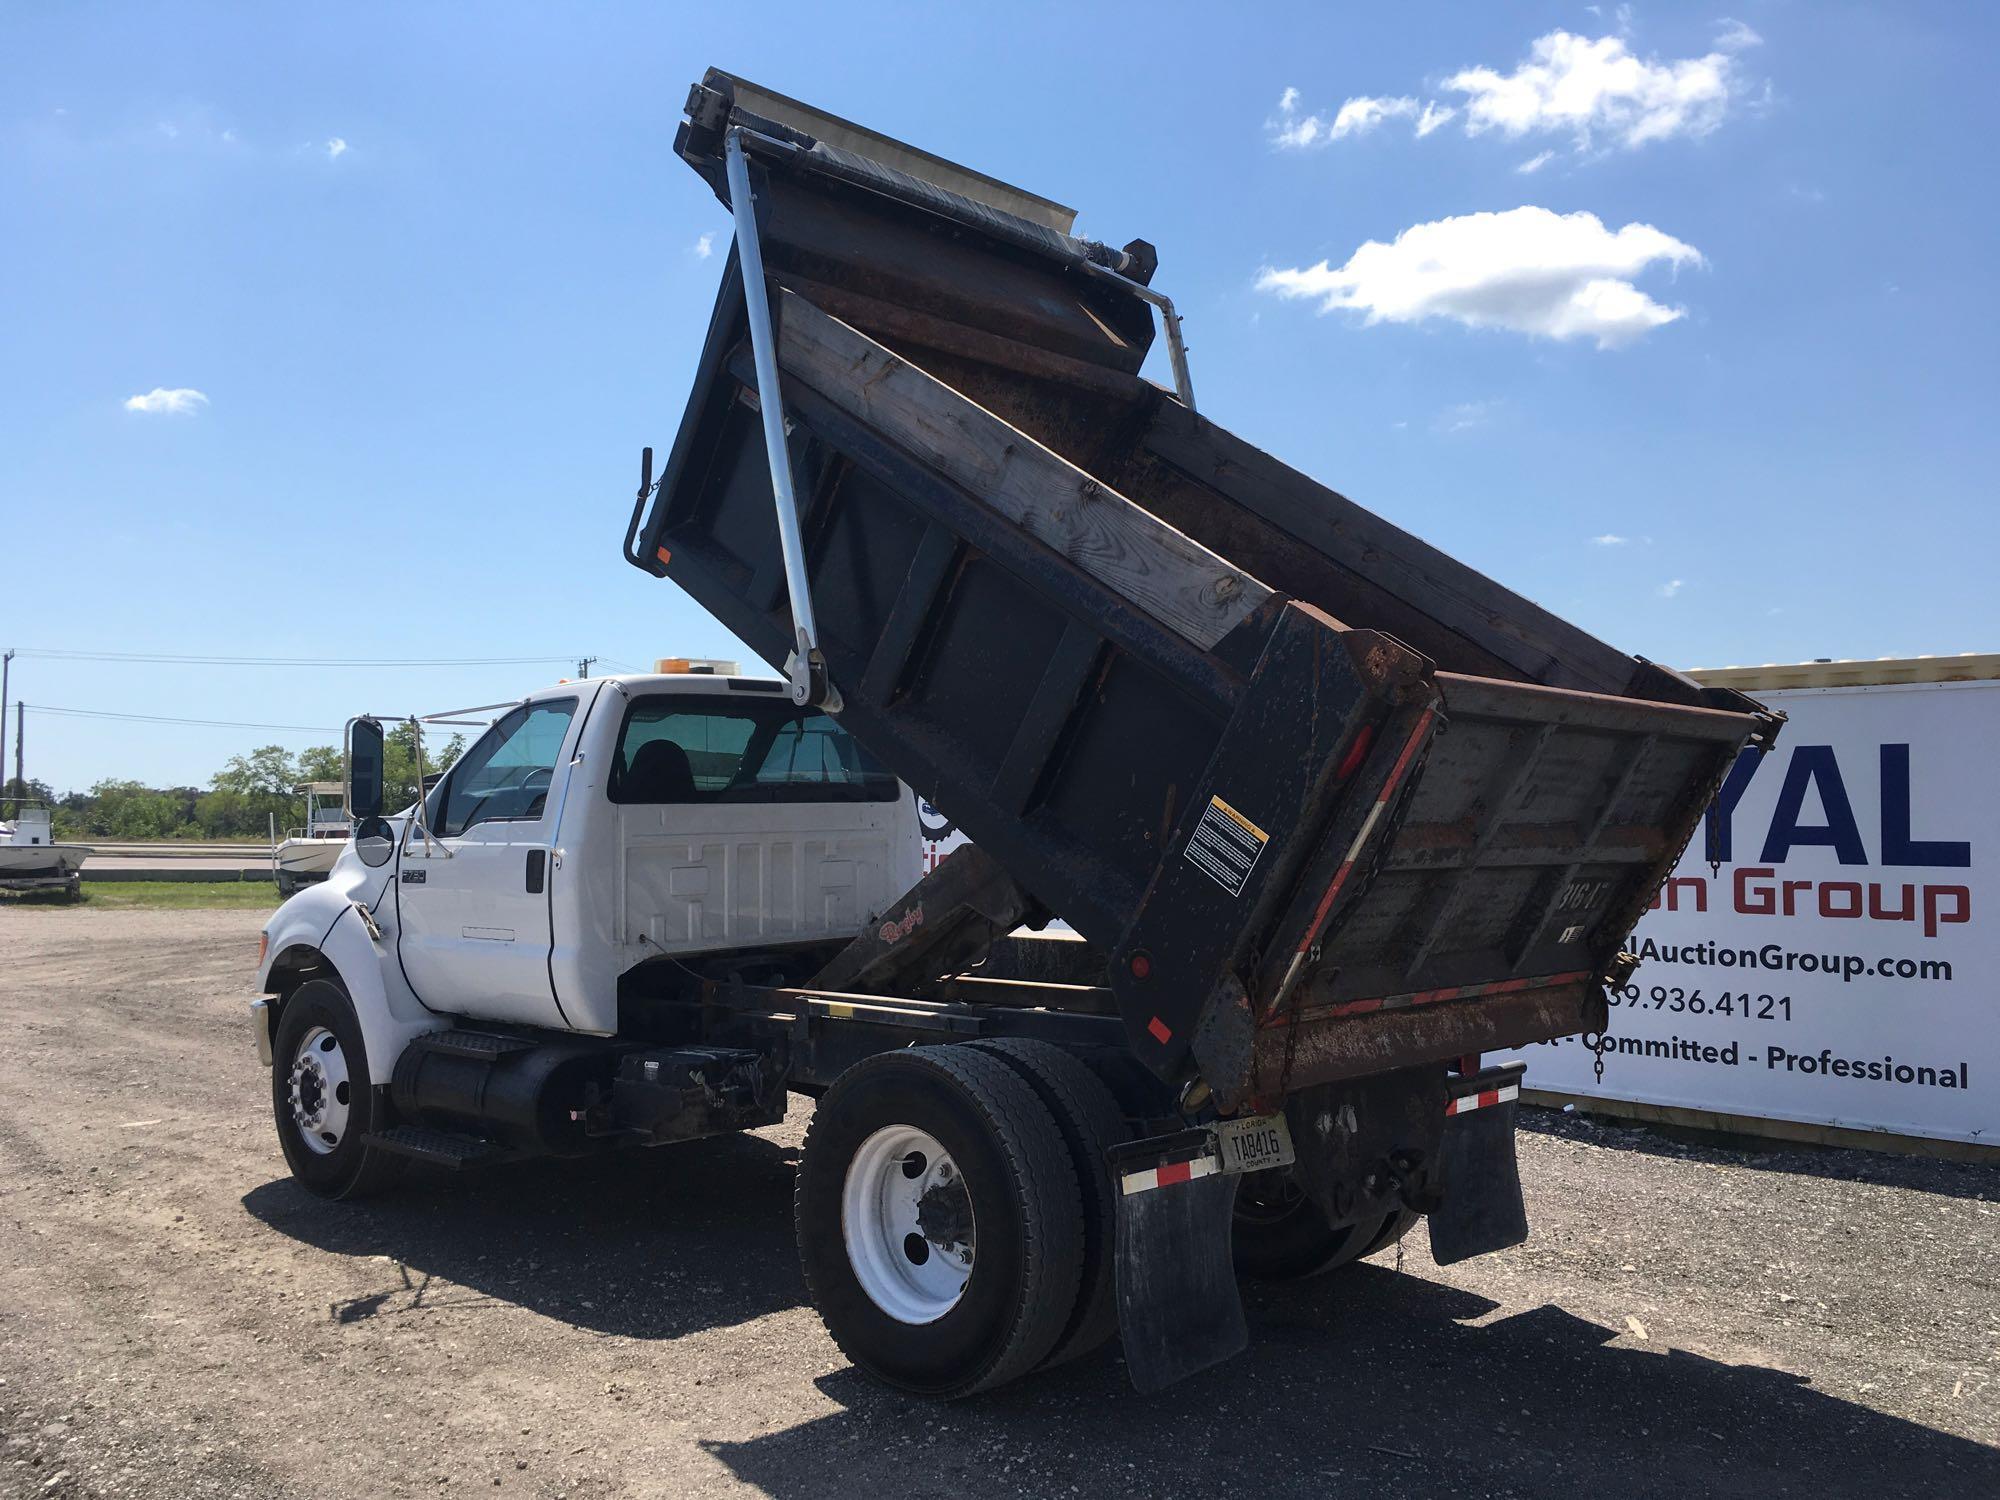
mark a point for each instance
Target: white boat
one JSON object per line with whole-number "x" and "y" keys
{"x": 29, "y": 854}
{"x": 308, "y": 853}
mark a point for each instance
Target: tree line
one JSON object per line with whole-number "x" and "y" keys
{"x": 242, "y": 800}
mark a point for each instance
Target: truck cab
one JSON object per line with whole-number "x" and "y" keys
{"x": 597, "y": 827}
{"x": 602, "y": 823}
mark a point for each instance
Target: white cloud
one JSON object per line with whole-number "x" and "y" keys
{"x": 1290, "y": 129}
{"x": 1557, "y": 276}
{"x": 1465, "y": 416}
{"x": 1735, "y": 36}
{"x": 1434, "y": 115}
{"x": 1358, "y": 116}
{"x": 1596, "y": 90}
{"x": 1609, "y": 539}
{"x": 1535, "y": 163}
{"x": 335, "y": 149}
{"x": 1590, "y": 88}
{"x": 181, "y": 401}
{"x": 703, "y": 247}
{"x": 1672, "y": 587}
{"x": 1362, "y": 114}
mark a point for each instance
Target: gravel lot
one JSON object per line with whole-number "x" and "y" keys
{"x": 177, "y": 1320}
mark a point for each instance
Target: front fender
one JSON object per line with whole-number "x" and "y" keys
{"x": 320, "y": 927}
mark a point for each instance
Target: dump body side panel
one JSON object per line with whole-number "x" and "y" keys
{"x": 1284, "y": 764}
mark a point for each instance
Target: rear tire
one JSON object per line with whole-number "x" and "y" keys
{"x": 1281, "y": 1235}
{"x": 1091, "y": 1124}
{"x": 323, "y": 1096}
{"x": 944, "y": 1268}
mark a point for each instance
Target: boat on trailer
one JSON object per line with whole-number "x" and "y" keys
{"x": 308, "y": 853}
{"x": 31, "y": 859}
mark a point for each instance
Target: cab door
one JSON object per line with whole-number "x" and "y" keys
{"x": 473, "y": 923}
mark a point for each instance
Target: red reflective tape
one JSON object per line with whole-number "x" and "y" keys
{"x": 1458, "y": 992}
{"x": 1485, "y": 1099}
{"x": 1162, "y": 1032}
{"x": 1177, "y": 1171}
{"x": 664, "y": 556}
{"x": 1396, "y": 774}
{"x": 1356, "y": 753}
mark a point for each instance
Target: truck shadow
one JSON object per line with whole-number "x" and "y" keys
{"x": 653, "y": 1245}
{"x": 1366, "y": 1382}
{"x": 1377, "y": 1383}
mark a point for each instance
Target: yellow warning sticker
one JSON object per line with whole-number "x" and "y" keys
{"x": 1224, "y": 845}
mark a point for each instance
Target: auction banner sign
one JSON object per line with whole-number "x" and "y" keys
{"x": 1827, "y": 950}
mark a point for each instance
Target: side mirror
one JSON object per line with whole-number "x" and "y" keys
{"x": 374, "y": 841}
{"x": 364, "y": 769}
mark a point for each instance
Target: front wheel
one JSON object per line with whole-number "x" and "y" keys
{"x": 939, "y": 1220}
{"x": 323, "y": 1097}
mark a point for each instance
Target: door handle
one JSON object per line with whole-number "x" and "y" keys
{"x": 538, "y": 870}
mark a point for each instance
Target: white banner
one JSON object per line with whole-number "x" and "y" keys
{"x": 1826, "y": 951}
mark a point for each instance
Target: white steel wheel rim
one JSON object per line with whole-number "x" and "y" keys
{"x": 907, "y": 1221}
{"x": 320, "y": 1090}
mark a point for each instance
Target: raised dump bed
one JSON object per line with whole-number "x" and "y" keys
{"x": 1329, "y": 802}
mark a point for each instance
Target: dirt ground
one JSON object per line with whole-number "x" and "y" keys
{"x": 176, "y": 1319}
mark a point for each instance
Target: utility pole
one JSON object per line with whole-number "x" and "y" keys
{"x": 6, "y": 662}
{"x": 20, "y": 719}
{"x": 583, "y": 667}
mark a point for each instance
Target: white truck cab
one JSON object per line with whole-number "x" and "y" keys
{"x": 596, "y": 825}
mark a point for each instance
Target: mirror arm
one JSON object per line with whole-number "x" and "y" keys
{"x": 420, "y": 821}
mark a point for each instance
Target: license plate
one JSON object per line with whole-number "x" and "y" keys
{"x": 1254, "y": 1144}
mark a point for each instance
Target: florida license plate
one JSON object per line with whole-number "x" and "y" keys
{"x": 1254, "y": 1144}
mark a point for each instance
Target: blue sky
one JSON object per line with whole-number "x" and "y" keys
{"x": 436, "y": 277}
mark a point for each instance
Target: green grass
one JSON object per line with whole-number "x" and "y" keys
{"x": 165, "y": 895}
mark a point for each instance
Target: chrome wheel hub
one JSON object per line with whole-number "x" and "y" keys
{"x": 320, "y": 1090}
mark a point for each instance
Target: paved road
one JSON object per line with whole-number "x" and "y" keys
{"x": 176, "y": 1319}
{"x": 169, "y": 867}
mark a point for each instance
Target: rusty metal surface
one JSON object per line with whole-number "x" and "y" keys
{"x": 1318, "y": 1051}
{"x": 942, "y": 924}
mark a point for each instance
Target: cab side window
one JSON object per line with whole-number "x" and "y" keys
{"x": 507, "y": 774}
{"x": 680, "y": 748}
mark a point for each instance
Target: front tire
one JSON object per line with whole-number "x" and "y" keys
{"x": 323, "y": 1096}
{"x": 939, "y": 1221}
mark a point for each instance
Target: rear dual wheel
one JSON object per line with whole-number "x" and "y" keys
{"x": 1281, "y": 1235}
{"x": 944, "y": 1232}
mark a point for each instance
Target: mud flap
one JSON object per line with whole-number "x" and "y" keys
{"x": 1482, "y": 1209}
{"x": 1179, "y": 1309}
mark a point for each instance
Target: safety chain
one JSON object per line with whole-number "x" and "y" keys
{"x": 1599, "y": 1041}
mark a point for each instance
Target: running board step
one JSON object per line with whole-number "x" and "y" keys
{"x": 460, "y": 1042}
{"x": 440, "y": 1148}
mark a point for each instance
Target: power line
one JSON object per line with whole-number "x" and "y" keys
{"x": 162, "y": 658}
{"x": 99, "y": 713}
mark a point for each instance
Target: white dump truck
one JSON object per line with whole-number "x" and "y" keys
{"x": 1330, "y": 815}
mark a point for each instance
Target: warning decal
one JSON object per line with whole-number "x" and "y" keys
{"x": 1225, "y": 845}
